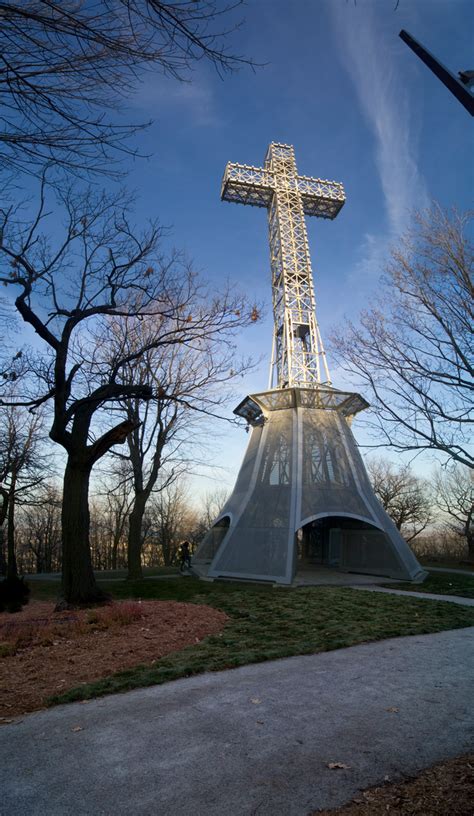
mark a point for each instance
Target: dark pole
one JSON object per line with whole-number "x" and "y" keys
{"x": 460, "y": 91}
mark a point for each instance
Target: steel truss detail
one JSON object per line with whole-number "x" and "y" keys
{"x": 298, "y": 353}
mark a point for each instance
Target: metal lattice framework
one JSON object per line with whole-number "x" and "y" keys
{"x": 298, "y": 357}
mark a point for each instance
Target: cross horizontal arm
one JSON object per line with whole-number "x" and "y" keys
{"x": 321, "y": 198}
{"x": 244, "y": 184}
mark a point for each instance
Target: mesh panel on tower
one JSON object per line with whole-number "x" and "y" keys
{"x": 328, "y": 485}
{"x": 302, "y": 467}
{"x": 257, "y": 545}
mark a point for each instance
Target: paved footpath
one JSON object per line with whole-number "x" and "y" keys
{"x": 255, "y": 741}
{"x": 419, "y": 595}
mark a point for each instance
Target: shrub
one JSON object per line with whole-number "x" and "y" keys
{"x": 92, "y": 617}
{"x": 14, "y": 593}
{"x": 122, "y": 613}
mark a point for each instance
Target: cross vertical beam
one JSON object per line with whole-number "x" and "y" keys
{"x": 298, "y": 357}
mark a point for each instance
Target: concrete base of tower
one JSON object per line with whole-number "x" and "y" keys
{"x": 303, "y": 496}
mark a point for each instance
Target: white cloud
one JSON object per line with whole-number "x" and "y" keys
{"x": 367, "y": 51}
{"x": 373, "y": 254}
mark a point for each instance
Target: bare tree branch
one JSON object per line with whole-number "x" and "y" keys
{"x": 454, "y": 492}
{"x": 405, "y": 497}
{"x": 414, "y": 348}
{"x": 64, "y": 66}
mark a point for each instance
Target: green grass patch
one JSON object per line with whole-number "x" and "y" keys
{"x": 442, "y": 583}
{"x": 447, "y": 563}
{"x": 103, "y": 575}
{"x": 267, "y": 623}
{"x": 46, "y": 590}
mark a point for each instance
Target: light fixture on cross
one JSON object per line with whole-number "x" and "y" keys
{"x": 298, "y": 352}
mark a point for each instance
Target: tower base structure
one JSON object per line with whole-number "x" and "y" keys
{"x": 303, "y": 497}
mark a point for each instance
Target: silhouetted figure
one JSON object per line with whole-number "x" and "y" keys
{"x": 185, "y": 556}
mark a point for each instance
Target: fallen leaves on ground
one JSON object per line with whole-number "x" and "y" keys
{"x": 446, "y": 789}
{"x": 335, "y": 765}
{"x": 44, "y": 652}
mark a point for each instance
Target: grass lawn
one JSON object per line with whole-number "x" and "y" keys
{"x": 266, "y": 624}
{"x": 442, "y": 583}
{"x": 104, "y": 575}
{"x": 465, "y": 566}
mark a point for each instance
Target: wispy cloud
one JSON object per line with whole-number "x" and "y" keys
{"x": 160, "y": 95}
{"x": 367, "y": 51}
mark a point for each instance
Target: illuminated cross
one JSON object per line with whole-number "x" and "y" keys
{"x": 297, "y": 345}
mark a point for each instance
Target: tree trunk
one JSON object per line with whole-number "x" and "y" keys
{"x": 117, "y": 538}
{"x": 167, "y": 549}
{"x": 12, "y": 571}
{"x": 115, "y": 546}
{"x": 3, "y": 560}
{"x": 135, "y": 537}
{"x": 78, "y": 583}
{"x": 47, "y": 560}
{"x": 470, "y": 546}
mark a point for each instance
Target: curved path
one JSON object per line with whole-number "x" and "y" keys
{"x": 253, "y": 741}
{"x": 457, "y": 599}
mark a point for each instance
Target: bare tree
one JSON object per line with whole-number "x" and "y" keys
{"x": 21, "y": 470}
{"x": 414, "y": 349}
{"x": 116, "y": 511}
{"x": 405, "y": 497}
{"x": 41, "y": 525}
{"x": 64, "y": 64}
{"x": 96, "y": 270}
{"x": 454, "y": 492}
{"x": 100, "y": 268}
{"x": 211, "y": 505}
{"x": 190, "y": 382}
{"x": 171, "y": 519}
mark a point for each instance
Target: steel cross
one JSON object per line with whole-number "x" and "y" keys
{"x": 297, "y": 346}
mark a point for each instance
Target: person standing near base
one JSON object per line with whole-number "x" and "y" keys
{"x": 185, "y": 556}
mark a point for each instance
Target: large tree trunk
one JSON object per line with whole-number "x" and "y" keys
{"x": 78, "y": 583}
{"x": 135, "y": 536}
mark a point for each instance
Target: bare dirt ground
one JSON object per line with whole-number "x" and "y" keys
{"x": 446, "y": 789}
{"x": 43, "y": 652}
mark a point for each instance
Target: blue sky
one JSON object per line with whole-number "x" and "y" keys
{"x": 357, "y": 105}
{"x": 359, "y": 108}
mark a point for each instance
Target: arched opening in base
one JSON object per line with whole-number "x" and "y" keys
{"x": 325, "y": 543}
